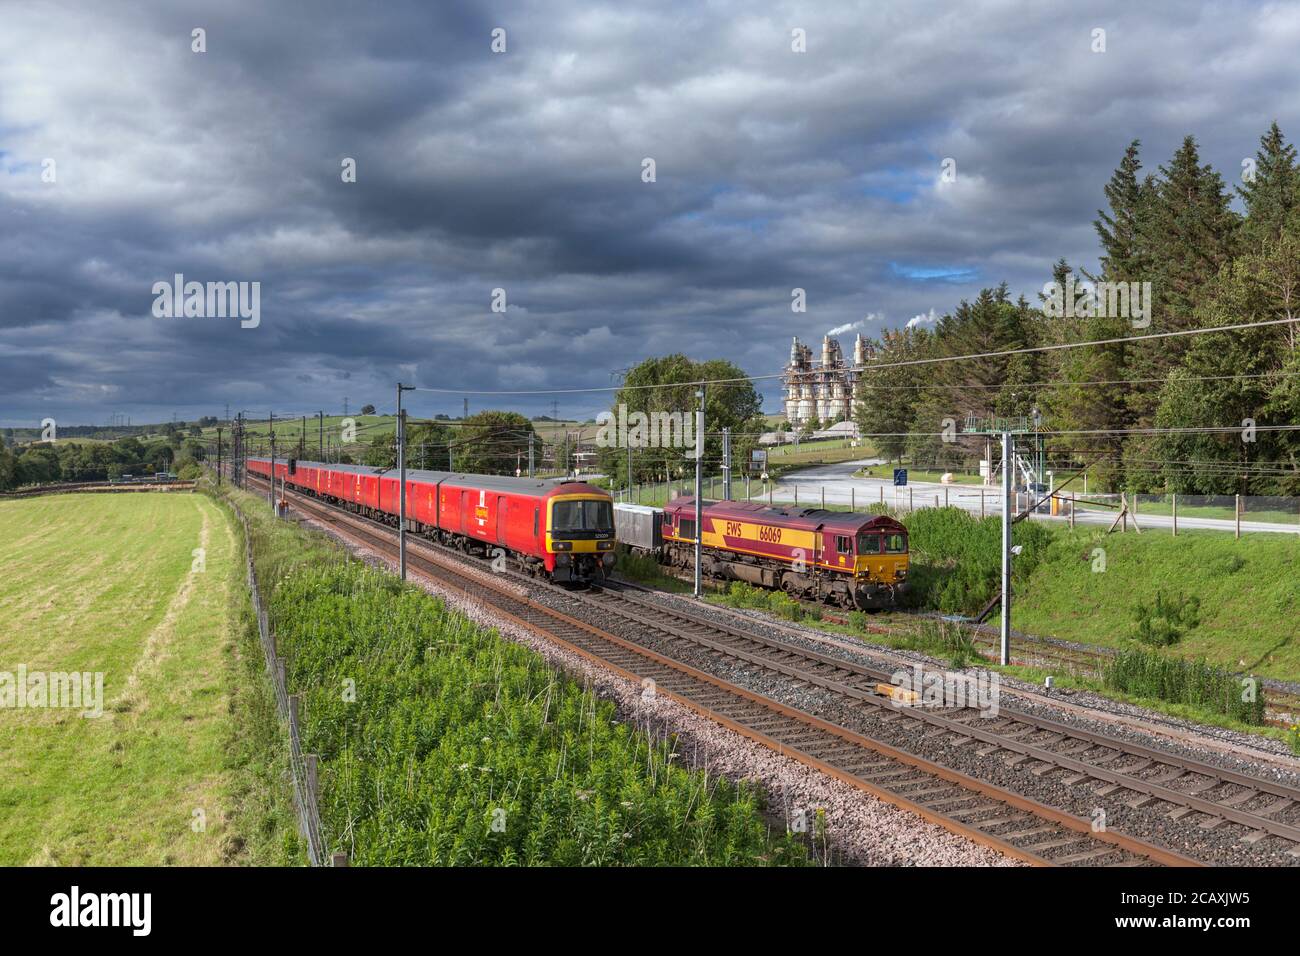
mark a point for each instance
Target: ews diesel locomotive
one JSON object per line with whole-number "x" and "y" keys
{"x": 561, "y": 530}
{"x": 852, "y": 560}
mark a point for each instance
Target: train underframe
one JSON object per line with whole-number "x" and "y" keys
{"x": 828, "y": 587}
{"x": 576, "y": 568}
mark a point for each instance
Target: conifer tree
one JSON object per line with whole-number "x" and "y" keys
{"x": 1272, "y": 197}
{"x": 1190, "y": 233}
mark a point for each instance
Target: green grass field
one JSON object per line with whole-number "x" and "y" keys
{"x": 287, "y": 432}
{"x": 822, "y": 451}
{"x": 107, "y": 583}
{"x": 1247, "y": 589}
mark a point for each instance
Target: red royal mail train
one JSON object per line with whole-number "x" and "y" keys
{"x": 562, "y": 530}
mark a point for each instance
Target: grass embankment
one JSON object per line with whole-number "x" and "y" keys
{"x": 111, "y": 584}
{"x": 1087, "y": 586}
{"x": 1247, "y": 592}
{"x": 1217, "y": 607}
{"x": 441, "y": 742}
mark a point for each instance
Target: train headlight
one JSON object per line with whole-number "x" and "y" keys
{"x": 562, "y": 545}
{"x": 604, "y": 545}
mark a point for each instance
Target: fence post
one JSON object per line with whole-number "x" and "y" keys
{"x": 1174, "y": 499}
{"x": 796, "y": 496}
{"x": 1236, "y": 514}
{"x": 911, "y": 499}
{"x": 823, "y": 497}
{"x": 338, "y": 859}
{"x": 945, "y": 496}
{"x": 853, "y": 497}
{"x": 311, "y": 777}
{"x": 981, "y": 502}
{"x": 1072, "y": 507}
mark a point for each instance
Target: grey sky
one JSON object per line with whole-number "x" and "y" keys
{"x": 522, "y": 170}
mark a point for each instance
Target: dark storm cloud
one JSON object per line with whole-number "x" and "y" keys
{"x": 522, "y": 171}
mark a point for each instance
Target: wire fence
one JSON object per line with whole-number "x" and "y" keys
{"x": 1163, "y": 512}
{"x": 302, "y": 767}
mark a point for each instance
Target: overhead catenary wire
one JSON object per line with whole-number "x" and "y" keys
{"x": 875, "y": 366}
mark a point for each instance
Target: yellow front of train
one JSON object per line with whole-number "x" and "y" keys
{"x": 880, "y": 567}
{"x": 580, "y": 535}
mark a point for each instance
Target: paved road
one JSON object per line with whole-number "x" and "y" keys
{"x": 840, "y": 487}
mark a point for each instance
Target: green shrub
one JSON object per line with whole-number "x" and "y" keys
{"x": 1165, "y": 621}
{"x": 636, "y": 566}
{"x": 941, "y": 639}
{"x": 1147, "y": 673}
{"x": 743, "y": 595}
{"x": 956, "y": 562}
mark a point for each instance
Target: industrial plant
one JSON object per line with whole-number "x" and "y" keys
{"x": 824, "y": 391}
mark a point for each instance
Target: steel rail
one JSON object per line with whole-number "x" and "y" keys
{"x": 1150, "y": 788}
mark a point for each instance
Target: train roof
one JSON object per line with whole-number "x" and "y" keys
{"x": 535, "y": 486}
{"x": 847, "y": 522}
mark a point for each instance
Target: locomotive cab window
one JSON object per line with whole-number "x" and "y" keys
{"x": 868, "y": 544}
{"x": 895, "y": 544}
{"x": 686, "y": 529}
{"x": 581, "y": 519}
{"x": 843, "y": 543}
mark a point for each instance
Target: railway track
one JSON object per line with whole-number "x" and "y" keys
{"x": 1135, "y": 775}
{"x": 1027, "y": 650}
{"x": 1283, "y": 705}
{"x": 981, "y": 811}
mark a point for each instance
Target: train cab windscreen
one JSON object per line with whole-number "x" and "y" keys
{"x": 868, "y": 543}
{"x": 582, "y": 519}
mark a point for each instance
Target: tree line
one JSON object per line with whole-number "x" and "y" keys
{"x": 69, "y": 460}
{"x": 1207, "y": 266}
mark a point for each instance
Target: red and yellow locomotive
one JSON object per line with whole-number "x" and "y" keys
{"x": 853, "y": 560}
